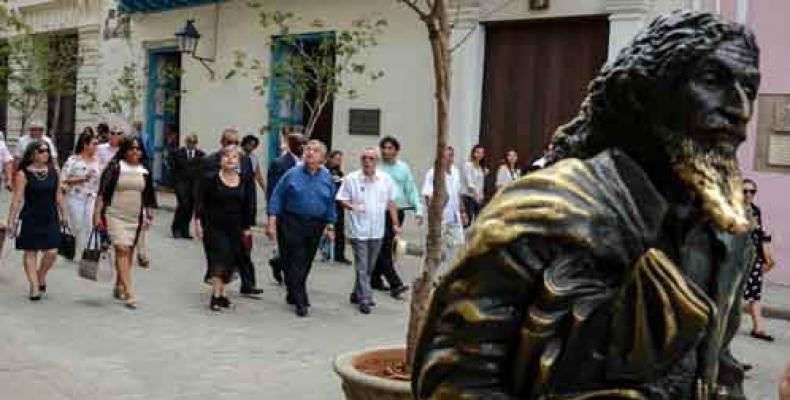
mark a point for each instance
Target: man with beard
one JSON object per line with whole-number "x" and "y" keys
{"x": 615, "y": 273}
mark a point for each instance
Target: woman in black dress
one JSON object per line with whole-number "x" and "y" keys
{"x": 763, "y": 262}
{"x": 36, "y": 187}
{"x": 222, "y": 220}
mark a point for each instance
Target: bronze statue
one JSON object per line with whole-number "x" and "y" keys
{"x": 615, "y": 273}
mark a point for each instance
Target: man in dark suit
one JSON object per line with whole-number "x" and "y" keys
{"x": 277, "y": 169}
{"x": 230, "y": 137}
{"x": 187, "y": 166}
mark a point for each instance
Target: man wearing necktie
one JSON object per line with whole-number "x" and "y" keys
{"x": 187, "y": 166}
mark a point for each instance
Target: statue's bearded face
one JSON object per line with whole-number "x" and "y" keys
{"x": 706, "y": 125}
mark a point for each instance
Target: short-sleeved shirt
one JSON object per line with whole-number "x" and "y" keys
{"x": 77, "y": 167}
{"x": 452, "y": 208}
{"x": 5, "y": 154}
{"x": 371, "y": 195}
{"x": 25, "y": 140}
{"x": 105, "y": 153}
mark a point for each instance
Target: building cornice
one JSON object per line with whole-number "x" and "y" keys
{"x": 629, "y": 6}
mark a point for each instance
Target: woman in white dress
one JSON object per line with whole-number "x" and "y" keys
{"x": 80, "y": 178}
{"x": 509, "y": 170}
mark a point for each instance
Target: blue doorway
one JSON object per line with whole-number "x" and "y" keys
{"x": 163, "y": 109}
{"x": 287, "y": 110}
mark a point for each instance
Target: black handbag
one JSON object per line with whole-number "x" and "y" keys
{"x": 89, "y": 264}
{"x": 67, "y": 243}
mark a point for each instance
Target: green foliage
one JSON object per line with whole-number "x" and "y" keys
{"x": 38, "y": 66}
{"x": 125, "y": 95}
{"x": 309, "y": 72}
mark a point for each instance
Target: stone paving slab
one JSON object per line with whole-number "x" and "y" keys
{"x": 80, "y": 344}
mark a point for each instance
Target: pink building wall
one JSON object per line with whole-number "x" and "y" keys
{"x": 768, "y": 19}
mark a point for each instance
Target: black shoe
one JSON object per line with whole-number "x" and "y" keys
{"x": 301, "y": 311}
{"x": 747, "y": 367}
{"x": 224, "y": 302}
{"x": 364, "y": 308}
{"x": 762, "y": 336}
{"x": 398, "y": 291}
{"x": 42, "y": 288}
{"x": 251, "y": 292}
{"x": 343, "y": 261}
{"x": 35, "y": 298}
{"x": 187, "y": 236}
{"x": 277, "y": 273}
{"x": 216, "y": 303}
{"x": 352, "y": 298}
{"x": 380, "y": 286}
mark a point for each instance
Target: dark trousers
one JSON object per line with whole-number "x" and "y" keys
{"x": 472, "y": 209}
{"x": 384, "y": 265}
{"x": 278, "y": 263}
{"x": 340, "y": 234}
{"x": 185, "y": 198}
{"x": 300, "y": 246}
{"x": 247, "y": 272}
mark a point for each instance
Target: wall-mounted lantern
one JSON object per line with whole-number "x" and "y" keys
{"x": 188, "y": 38}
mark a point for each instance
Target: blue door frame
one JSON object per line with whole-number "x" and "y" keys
{"x": 284, "y": 111}
{"x": 158, "y": 114}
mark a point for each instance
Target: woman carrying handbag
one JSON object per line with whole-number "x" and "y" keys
{"x": 36, "y": 188}
{"x": 124, "y": 207}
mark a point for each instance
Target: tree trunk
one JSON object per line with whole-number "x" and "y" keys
{"x": 439, "y": 36}
{"x": 55, "y": 125}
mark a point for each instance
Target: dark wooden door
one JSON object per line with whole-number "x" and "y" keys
{"x": 536, "y": 75}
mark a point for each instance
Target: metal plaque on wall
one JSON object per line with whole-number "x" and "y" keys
{"x": 364, "y": 122}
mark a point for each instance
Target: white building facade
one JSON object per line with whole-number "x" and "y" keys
{"x": 403, "y": 97}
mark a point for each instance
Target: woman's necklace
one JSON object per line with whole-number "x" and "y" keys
{"x": 40, "y": 174}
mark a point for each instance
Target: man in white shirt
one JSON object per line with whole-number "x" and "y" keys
{"x": 453, "y": 216}
{"x": 368, "y": 194}
{"x": 106, "y": 151}
{"x": 35, "y": 132}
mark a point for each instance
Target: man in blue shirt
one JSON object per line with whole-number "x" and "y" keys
{"x": 303, "y": 202}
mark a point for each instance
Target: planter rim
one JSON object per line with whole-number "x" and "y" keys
{"x": 344, "y": 367}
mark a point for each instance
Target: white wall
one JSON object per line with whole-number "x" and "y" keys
{"x": 404, "y": 95}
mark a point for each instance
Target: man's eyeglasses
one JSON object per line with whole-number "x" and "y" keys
{"x": 42, "y": 150}
{"x": 230, "y": 143}
{"x": 369, "y": 158}
{"x": 749, "y": 191}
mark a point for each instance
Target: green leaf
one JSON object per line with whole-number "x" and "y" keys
{"x": 230, "y": 74}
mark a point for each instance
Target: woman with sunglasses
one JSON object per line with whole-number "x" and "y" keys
{"x": 763, "y": 262}
{"x": 36, "y": 188}
{"x": 80, "y": 176}
{"x": 125, "y": 206}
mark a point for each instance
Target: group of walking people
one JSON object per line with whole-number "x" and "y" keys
{"x": 105, "y": 190}
{"x": 102, "y": 189}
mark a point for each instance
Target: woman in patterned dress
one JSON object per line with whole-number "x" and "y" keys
{"x": 763, "y": 263}
{"x": 80, "y": 176}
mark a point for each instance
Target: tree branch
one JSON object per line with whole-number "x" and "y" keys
{"x": 413, "y": 5}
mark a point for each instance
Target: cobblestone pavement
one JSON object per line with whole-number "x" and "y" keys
{"x": 80, "y": 344}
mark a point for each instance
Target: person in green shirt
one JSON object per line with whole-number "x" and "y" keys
{"x": 407, "y": 198}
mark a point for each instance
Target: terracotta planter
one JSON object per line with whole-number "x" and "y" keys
{"x": 358, "y": 385}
